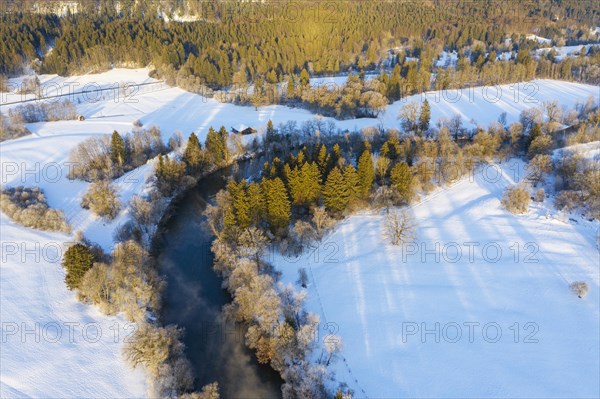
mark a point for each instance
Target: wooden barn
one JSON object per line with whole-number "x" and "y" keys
{"x": 243, "y": 130}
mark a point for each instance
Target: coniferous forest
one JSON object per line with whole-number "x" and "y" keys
{"x": 230, "y": 42}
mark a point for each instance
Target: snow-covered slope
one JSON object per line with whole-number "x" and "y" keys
{"x": 491, "y": 287}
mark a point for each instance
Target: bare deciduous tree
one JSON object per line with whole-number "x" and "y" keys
{"x": 321, "y": 220}
{"x": 102, "y": 199}
{"x": 409, "y": 116}
{"x": 516, "y": 199}
{"x": 399, "y": 228}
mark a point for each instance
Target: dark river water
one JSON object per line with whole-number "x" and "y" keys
{"x": 194, "y": 298}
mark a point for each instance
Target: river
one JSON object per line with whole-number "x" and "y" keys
{"x": 194, "y": 298}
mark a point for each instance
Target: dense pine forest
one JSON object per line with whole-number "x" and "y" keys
{"x": 230, "y": 42}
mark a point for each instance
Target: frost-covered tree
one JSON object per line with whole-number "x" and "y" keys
{"x": 102, "y": 199}
{"x": 381, "y": 168}
{"x": 409, "y": 117}
{"x": 516, "y": 199}
{"x": 541, "y": 145}
{"x": 399, "y": 228}
{"x": 321, "y": 220}
{"x": 538, "y": 168}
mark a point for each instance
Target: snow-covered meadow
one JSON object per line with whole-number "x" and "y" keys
{"x": 33, "y": 293}
{"x": 479, "y": 306}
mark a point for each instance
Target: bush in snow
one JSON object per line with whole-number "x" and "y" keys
{"x": 102, "y": 199}
{"x": 580, "y": 288}
{"x": 11, "y": 128}
{"x": 586, "y": 133}
{"x": 128, "y": 283}
{"x": 567, "y": 200}
{"x": 516, "y": 199}
{"x": 44, "y": 112}
{"x": 91, "y": 160}
{"x": 540, "y": 145}
{"x": 27, "y": 206}
{"x": 538, "y": 168}
{"x": 160, "y": 351}
{"x": 210, "y": 391}
{"x": 539, "y": 195}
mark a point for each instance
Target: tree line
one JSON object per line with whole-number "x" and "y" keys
{"x": 223, "y": 47}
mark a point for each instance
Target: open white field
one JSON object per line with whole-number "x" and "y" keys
{"x": 46, "y": 331}
{"x": 478, "y": 307}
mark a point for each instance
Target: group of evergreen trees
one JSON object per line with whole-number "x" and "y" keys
{"x": 171, "y": 172}
{"x": 316, "y": 176}
{"x": 222, "y": 47}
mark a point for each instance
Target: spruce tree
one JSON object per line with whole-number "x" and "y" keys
{"x": 192, "y": 156}
{"x": 241, "y": 203}
{"x": 77, "y": 261}
{"x": 402, "y": 181}
{"x": 394, "y": 91}
{"x": 292, "y": 179}
{"x": 424, "y": 116}
{"x": 366, "y": 174}
{"x": 214, "y": 146}
{"x": 278, "y": 208}
{"x": 322, "y": 160}
{"x": 169, "y": 174}
{"x": 311, "y": 182}
{"x": 394, "y": 148}
{"x": 256, "y": 200}
{"x": 117, "y": 149}
{"x": 304, "y": 78}
{"x": 270, "y": 136}
{"x": 224, "y": 136}
{"x": 352, "y": 183}
{"x": 290, "y": 88}
{"x": 335, "y": 192}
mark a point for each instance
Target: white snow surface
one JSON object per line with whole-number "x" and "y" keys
{"x": 563, "y": 52}
{"x": 589, "y": 151}
{"x": 52, "y": 345}
{"x": 541, "y": 40}
{"x": 34, "y": 292}
{"x": 447, "y": 59}
{"x": 373, "y": 295}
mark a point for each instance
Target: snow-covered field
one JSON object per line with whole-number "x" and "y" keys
{"x": 52, "y": 345}
{"x": 478, "y": 307}
{"x": 34, "y": 292}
